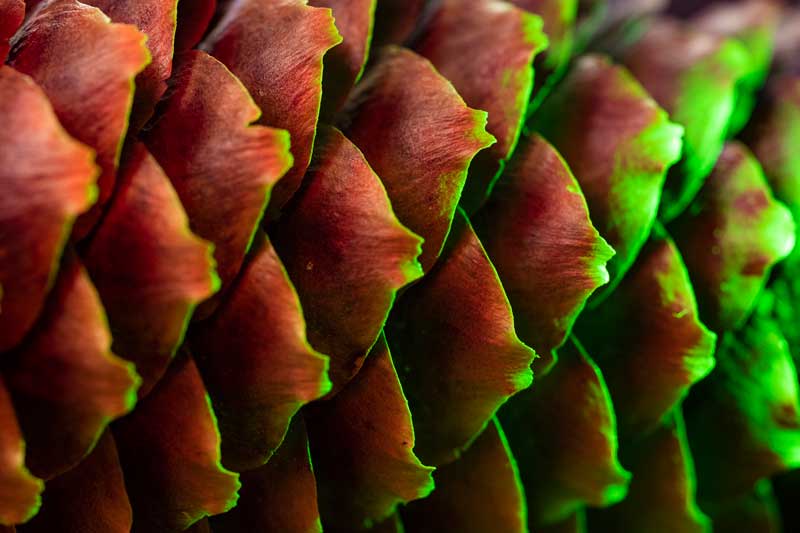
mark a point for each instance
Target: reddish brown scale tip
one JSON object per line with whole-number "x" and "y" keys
{"x": 276, "y": 49}
{"x": 149, "y": 268}
{"x": 568, "y": 460}
{"x": 89, "y": 498}
{"x": 361, "y": 446}
{"x": 420, "y": 141}
{"x": 345, "y": 62}
{"x": 19, "y": 490}
{"x": 457, "y": 353}
{"x": 46, "y": 180}
{"x": 550, "y": 258}
{"x": 221, "y": 165}
{"x": 346, "y": 253}
{"x": 647, "y": 338}
{"x": 157, "y": 20}
{"x": 255, "y": 360}
{"x": 478, "y": 493}
{"x": 86, "y": 65}
{"x": 170, "y": 455}
{"x": 66, "y": 384}
{"x": 492, "y": 74}
{"x": 280, "y": 496}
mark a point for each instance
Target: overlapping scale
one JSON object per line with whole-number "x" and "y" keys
{"x": 149, "y": 268}
{"x": 276, "y": 49}
{"x": 157, "y": 19}
{"x": 47, "y": 180}
{"x": 221, "y": 165}
{"x": 419, "y": 142}
{"x": 661, "y": 498}
{"x": 90, "y": 497}
{"x": 169, "y": 448}
{"x": 604, "y": 23}
{"x": 754, "y": 23}
{"x": 549, "y": 256}
{"x": 279, "y": 496}
{"x": 19, "y": 490}
{"x": 567, "y": 461}
{"x": 663, "y": 349}
{"x": 362, "y": 443}
{"x": 746, "y": 413}
{"x": 694, "y": 76}
{"x": 345, "y": 63}
{"x": 619, "y": 144}
{"x": 346, "y": 253}
{"x": 255, "y": 360}
{"x": 458, "y": 356}
{"x": 478, "y": 493}
{"x": 771, "y": 137}
{"x": 558, "y": 24}
{"x": 491, "y": 74}
{"x": 93, "y": 104}
{"x": 236, "y": 395}
{"x": 66, "y": 384}
{"x": 731, "y": 236}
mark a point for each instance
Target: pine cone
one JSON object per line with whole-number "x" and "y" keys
{"x": 466, "y": 266}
